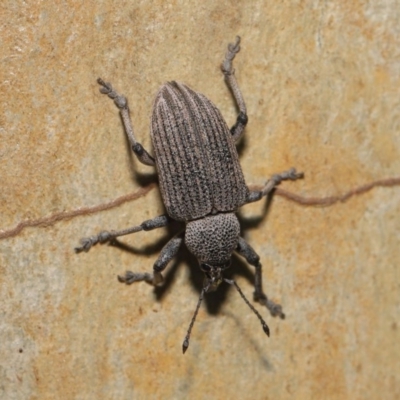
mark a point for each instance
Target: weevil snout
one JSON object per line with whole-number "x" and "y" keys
{"x": 213, "y": 275}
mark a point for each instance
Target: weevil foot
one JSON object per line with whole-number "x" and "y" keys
{"x": 274, "y": 308}
{"x": 86, "y": 244}
{"x": 233, "y": 49}
{"x": 291, "y": 175}
{"x": 120, "y": 101}
{"x": 131, "y": 277}
{"x": 89, "y": 242}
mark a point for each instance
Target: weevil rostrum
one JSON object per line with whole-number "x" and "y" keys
{"x": 201, "y": 184}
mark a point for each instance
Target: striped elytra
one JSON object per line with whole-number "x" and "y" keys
{"x": 195, "y": 154}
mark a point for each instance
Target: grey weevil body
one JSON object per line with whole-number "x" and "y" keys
{"x": 201, "y": 183}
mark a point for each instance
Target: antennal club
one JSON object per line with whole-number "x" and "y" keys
{"x": 185, "y": 343}
{"x": 263, "y": 323}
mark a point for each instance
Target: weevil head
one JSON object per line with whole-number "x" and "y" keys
{"x": 213, "y": 275}
{"x": 212, "y": 239}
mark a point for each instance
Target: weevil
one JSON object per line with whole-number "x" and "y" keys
{"x": 201, "y": 183}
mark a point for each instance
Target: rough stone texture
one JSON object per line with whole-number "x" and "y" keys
{"x": 321, "y": 80}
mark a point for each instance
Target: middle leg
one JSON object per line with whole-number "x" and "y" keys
{"x": 276, "y": 179}
{"x": 109, "y": 236}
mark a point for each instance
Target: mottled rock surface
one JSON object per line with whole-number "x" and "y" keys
{"x": 322, "y": 85}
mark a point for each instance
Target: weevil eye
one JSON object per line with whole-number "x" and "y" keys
{"x": 205, "y": 267}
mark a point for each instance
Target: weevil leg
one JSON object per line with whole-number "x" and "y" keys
{"x": 246, "y": 251}
{"x": 122, "y": 103}
{"x": 167, "y": 254}
{"x": 276, "y": 179}
{"x": 229, "y": 73}
{"x": 108, "y": 236}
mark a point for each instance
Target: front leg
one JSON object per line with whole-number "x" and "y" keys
{"x": 168, "y": 252}
{"x": 246, "y": 251}
{"x": 109, "y": 236}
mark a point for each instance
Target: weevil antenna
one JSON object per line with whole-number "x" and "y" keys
{"x": 185, "y": 343}
{"x": 263, "y": 323}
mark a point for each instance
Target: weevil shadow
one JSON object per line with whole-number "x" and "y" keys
{"x": 183, "y": 257}
{"x": 257, "y": 349}
{"x": 173, "y": 228}
{"x": 239, "y": 267}
{"x": 249, "y": 223}
{"x": 144, "y": 250}
{"x": 213, "y": 300}
{"x": 252, "y": 223}
{"x": 241, "y": 146}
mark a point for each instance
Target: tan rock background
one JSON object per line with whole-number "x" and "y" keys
{"x": 322, "y": 85}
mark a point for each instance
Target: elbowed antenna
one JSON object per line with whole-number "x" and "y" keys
{"x": 264, "y": 325}
{"x": 185, "y": 343}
